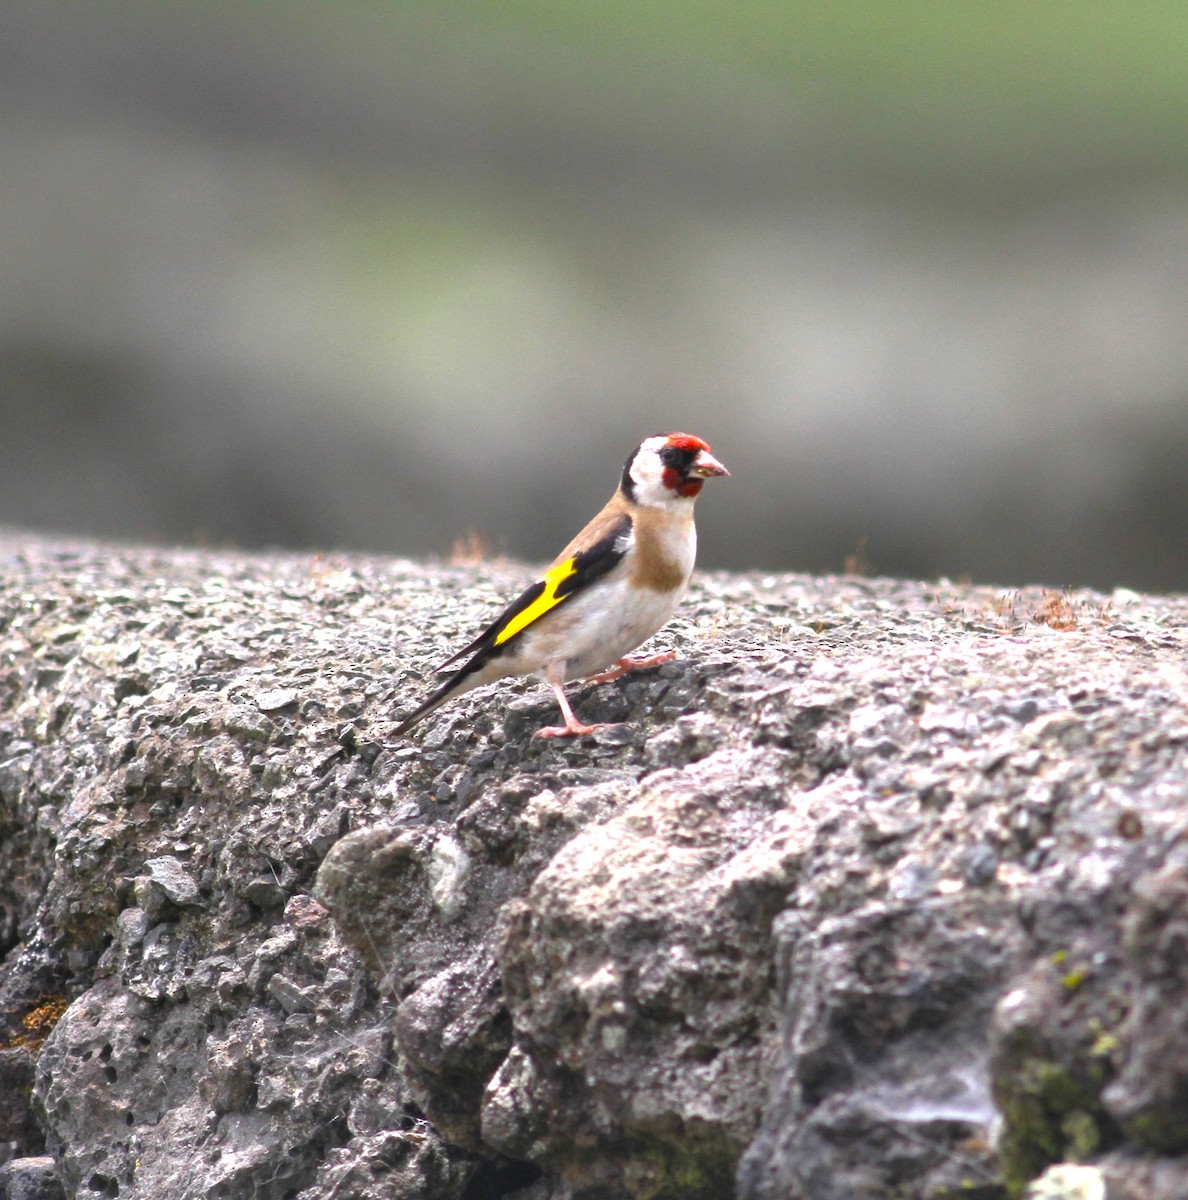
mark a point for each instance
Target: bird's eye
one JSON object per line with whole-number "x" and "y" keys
{"x": 670, "y": 456}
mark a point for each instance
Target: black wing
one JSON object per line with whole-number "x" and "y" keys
{"x": 566, "y": 577}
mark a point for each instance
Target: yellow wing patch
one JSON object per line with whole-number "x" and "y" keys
{"x": 548, "y": 599}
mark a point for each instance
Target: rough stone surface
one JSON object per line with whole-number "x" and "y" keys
{"x": 881, "y": 890}
{"x": 34, "y": 1178}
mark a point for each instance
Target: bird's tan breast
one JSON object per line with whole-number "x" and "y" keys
{"x": 665, "y": 547}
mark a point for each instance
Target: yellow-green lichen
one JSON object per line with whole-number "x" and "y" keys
{"x": 1048, "y": 1117}
{"x": 691, "y": 1168}
{"x": 1161, "y": 1129}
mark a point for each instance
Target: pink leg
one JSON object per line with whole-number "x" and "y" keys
{"x": 572, "y": 727}
{"x": 630, "y": 664}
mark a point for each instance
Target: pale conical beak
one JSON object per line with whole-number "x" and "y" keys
{"x": 705, "y": 466}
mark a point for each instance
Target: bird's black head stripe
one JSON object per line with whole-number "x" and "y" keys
{"x": 627, "y": 484}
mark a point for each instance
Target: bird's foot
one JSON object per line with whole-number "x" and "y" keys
{"x": 573, "y": 729}
{"x": 630, "y": 664}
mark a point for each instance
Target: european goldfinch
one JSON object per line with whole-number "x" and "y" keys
{"x": 608, "y": 591}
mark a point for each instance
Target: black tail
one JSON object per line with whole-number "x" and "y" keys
{"x": 439, "y": 696}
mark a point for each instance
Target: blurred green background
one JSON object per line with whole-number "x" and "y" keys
{"x": 379, "y": 276}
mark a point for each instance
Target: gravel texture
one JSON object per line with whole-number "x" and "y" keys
{"x": 881, "y": 889}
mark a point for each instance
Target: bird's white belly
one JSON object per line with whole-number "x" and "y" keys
{"x": 596, "y": 630}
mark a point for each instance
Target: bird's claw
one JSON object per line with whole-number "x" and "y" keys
{"x": 630, "y": 664}
{"x": 573, "y": 729}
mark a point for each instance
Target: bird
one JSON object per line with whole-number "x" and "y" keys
{"x": 607, "y": 592}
